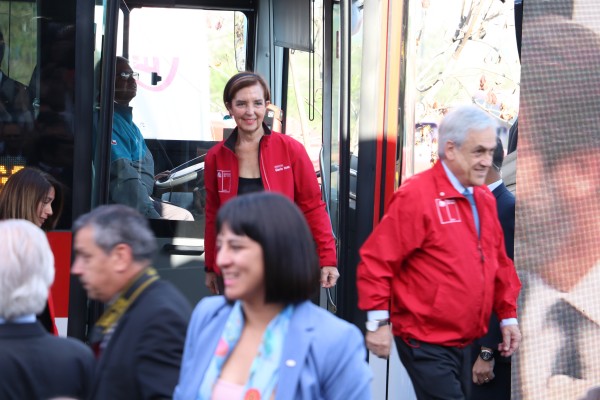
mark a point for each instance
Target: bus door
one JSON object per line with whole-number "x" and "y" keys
{"x": 181, "y": 59}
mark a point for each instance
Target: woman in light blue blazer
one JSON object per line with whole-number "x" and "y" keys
{"x": 264, "y": 339}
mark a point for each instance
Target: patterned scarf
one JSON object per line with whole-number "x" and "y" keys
{"x": 264, "y": 372}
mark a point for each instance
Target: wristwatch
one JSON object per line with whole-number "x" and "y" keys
{"x": 372, "y": 326}
{"x": 486, "y": 354}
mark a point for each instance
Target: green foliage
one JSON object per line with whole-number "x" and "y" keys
{"x": 17, "y": 23}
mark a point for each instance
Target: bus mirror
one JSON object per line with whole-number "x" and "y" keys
{"x": 155, "y": 78}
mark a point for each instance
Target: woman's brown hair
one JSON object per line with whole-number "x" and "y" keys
{"x": 242, "y": 80}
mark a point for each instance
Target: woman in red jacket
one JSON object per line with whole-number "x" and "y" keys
{"x": 29, "y": 194}
{"x": 253, "y": 159}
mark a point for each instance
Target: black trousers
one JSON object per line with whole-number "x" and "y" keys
{"x": 437, "y": 372}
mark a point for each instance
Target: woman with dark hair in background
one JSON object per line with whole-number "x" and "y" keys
{"x": 254, "y": 159}
{"x": 264, "y": 339}
{"x": 29, "y": 194}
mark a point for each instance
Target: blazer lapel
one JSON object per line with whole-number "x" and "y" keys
{"x": 209, "y": 340}
{"x": 295, "y": 351}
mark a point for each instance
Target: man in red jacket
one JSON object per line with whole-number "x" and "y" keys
{"x": 436, "y": 262}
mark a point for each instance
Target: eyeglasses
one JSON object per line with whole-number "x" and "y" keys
{"x": 126, "y": 75}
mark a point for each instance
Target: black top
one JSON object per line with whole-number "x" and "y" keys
{"x": 250, "y": 185}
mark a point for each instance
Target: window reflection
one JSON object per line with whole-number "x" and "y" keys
{"x": 36, "y": 95}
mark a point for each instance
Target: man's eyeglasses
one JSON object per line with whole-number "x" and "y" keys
{"x": 126, "y": 75}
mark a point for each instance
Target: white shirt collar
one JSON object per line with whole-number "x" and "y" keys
{"x": 582, "y": 296}
{"x": 493, "y": 186}
{"x": 23, "y": 319}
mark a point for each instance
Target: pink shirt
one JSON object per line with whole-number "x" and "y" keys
{"x": 224, "y": 390}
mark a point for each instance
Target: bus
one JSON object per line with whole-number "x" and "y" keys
{"x": 368, "y": 77}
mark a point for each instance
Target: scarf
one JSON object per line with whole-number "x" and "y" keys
{"x": 108, "y": 321}
{"x": 264, "y": 371}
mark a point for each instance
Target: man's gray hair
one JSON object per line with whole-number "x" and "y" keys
{"x": 26, "y": 269}
{"x": 456, "y": 126}
{"x": 118, "y": 224}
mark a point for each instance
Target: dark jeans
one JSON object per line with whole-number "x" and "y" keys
{"x": 437, "y": 372}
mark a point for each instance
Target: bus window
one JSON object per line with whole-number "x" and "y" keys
{"x": 36, "y": 95}
{"x": 174, "y": 65}
{"x": 181, "y": 60}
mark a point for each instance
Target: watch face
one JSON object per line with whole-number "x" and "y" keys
{"x": 486, "y": 355}
{"x": 372, "y": 326}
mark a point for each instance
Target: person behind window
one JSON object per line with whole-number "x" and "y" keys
{"x": 264, "y": 339}
{"x": 253, "y": 158}
{"x": 15, "y": 105}
{"x": 34, "y": 364}
{"x": 29, "y": 194}
{"x": 132, "y": 165}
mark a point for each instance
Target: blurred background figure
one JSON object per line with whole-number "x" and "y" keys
{"x": 37, "y": 197}
{"x": 16, "y": 118}
{"x": 252, "y": 159}
{"x": 34, "y": 364}
{"x": 557, "y": 243}
{"x": 264, "y": 339}
{"x": 15, "y": 105}
{"x": 139, "y": 339}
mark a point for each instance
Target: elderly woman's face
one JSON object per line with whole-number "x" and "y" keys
{"x": 248, "y": 107}
{"x": 241, "y": 262}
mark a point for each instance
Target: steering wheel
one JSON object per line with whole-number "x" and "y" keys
{"x": 186, "y": 172}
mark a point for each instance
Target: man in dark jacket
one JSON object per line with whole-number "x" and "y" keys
{"x": 496, "y": 367}
{"x": 140, "y": 337}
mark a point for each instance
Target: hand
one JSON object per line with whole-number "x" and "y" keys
{"x": 162, "y": 175}
{"x": 380, "y": 341}
{"x": 483, "y": 371}
{"x": 511, "y": 338}
{"x": 329, "y": 276}
{"x": 211, "y": 282}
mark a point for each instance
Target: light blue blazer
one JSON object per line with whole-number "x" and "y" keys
{"x": 323, "y": 357}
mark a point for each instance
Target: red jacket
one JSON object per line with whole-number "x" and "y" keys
{"x": 425, "y": 256}
{"x": 284, "y": 168}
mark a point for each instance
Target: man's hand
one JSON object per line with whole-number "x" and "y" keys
{"x": 483, "y": 371}
{"x": 211, "y": 282}
{"x": 511, "y": 338}
{"x": 162, "y": 175}
{"x": 329, "y": 276}
{"x": 380, "y": 341}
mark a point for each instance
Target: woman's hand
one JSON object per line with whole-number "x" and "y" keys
{"x": 211, "y": 282}
{"x": 329, "y": 276}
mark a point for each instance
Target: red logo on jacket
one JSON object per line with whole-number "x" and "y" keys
{"x": 447, "y": 211}
{"x": 224, "y": 181}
